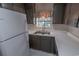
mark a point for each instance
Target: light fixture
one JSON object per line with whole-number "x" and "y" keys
{"x": 44, "y": 14}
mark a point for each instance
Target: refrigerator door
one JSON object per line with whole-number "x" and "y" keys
{"x": 17, "y": 46}
{"x": 11, "y": 23}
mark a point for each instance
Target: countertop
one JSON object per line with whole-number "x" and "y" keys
{"x": 51, "y": 34}
{"x": 67, "y": 44}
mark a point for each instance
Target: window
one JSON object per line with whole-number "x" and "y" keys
{"x": 43, "y": 22}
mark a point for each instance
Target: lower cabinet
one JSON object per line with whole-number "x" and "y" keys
{"x": 34, "y": 42}
{"x": 43, "y": 43}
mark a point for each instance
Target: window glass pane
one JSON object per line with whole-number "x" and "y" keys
{"x": 40, "y": 22}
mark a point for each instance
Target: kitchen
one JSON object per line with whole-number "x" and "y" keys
{"x": 52, "y": 29}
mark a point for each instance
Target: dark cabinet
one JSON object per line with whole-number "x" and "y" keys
{"x": 43, "y": 43}
{"x": 58, "y": 13}
{"x": 7, "y": 5}
{"x": 30, "y": 10}
{"x": 19, "y": 7}
{"x": 34, "y": 42}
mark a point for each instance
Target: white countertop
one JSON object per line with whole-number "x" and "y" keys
{"x": 67, "y": 45}
{"x": 51, "y": 34}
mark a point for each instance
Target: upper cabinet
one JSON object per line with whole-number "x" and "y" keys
{"x": 72, "y": 14}
{"x": 30, "y": 10}
{"x": 19, "y": 7}
{"x": 58, "y": 13}
{"x": 6, "y": 5}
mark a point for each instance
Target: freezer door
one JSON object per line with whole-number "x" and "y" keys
{"x": 17, "y": 46}
{"x": 11, "y": 23}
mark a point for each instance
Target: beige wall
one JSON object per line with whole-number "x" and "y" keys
{"x": 61, "y": 27}
{"x": 72, "y": 12}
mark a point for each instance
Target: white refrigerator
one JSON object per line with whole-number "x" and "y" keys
{"x": 13, "y": 33}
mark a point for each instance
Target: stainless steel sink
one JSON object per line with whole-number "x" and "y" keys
{"x": 42, "y": 32}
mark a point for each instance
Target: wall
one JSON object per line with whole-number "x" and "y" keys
{"x": 61, "y": 27}
{"x": 72, "y": 11}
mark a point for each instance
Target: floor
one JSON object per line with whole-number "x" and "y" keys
{"x": 39, "y": 53}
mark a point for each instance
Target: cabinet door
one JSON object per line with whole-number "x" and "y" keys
{"x": 45, "y": 44}
{"x": 59, "y": 10}
{"x": 52, "y": 43}
{"x": 19, "y": 7}
{"x": 31, "y": 41}
{"x": 29, "y": 16}
{"x": 7, "y": 5}
{"x": 30, "y": 10}
{"x": 34, "y": 42}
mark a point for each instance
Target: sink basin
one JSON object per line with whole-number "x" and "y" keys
{"x": 42, "y": 32}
